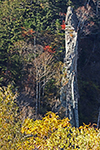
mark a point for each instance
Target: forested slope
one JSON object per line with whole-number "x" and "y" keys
{"x": 32, "y": 47}
{"x": 32, "y": 51}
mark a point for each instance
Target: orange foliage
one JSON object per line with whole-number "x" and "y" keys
{"x": 27, "y": 33}
{"x": 48, "y": 49}
{"x": 30, "y": 31}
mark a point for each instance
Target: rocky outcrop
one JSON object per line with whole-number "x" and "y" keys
{"x": 69, "y": 91}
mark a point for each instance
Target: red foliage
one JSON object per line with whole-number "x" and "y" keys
{"x": 48, "y": 49}
{"x": 63, "y": 25}
{"x": 62, "y": 14}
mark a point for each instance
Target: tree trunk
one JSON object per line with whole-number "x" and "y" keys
{"x": 39, "y": 93}
{"x": 36, "y": 93}
{"x": 36, "y": 71}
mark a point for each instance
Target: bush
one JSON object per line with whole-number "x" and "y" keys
{"x": 53, "y": 133}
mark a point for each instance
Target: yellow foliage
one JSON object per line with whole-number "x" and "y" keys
{"x": 53, "y": 133}
{"x": 9, "y": 122}
{"x": 50, "y": 133}
{"x": 41, "y": 5}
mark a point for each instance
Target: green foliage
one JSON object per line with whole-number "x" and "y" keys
{"x": 10, "y": 23}
{"x": 39, "y": 16}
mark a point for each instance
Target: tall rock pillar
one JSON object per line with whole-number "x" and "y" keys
{"x": 69, "y": 90}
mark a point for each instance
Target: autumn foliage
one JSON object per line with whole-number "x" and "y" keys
{"x": 27, "y": 33}
{"x": 50, "y": 133}
{"x": 9, "y": 120}
{"x": 53, "y": 133}
{"x": 63, "y": 25}
{"x": 49, "y": 49}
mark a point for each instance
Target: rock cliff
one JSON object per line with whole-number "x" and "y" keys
{"x": 69, "y": 91}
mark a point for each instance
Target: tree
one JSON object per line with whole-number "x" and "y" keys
{"x": 10, "y": 122}
{"x": 44, "y": 72}
{"x": 14, "y": 17}
{"x": 10, "y": 23}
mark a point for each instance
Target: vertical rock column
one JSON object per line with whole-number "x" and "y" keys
{"x": 69, "y": 91}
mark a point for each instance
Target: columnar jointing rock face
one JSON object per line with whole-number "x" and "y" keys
{"x": 69, "y": 91}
